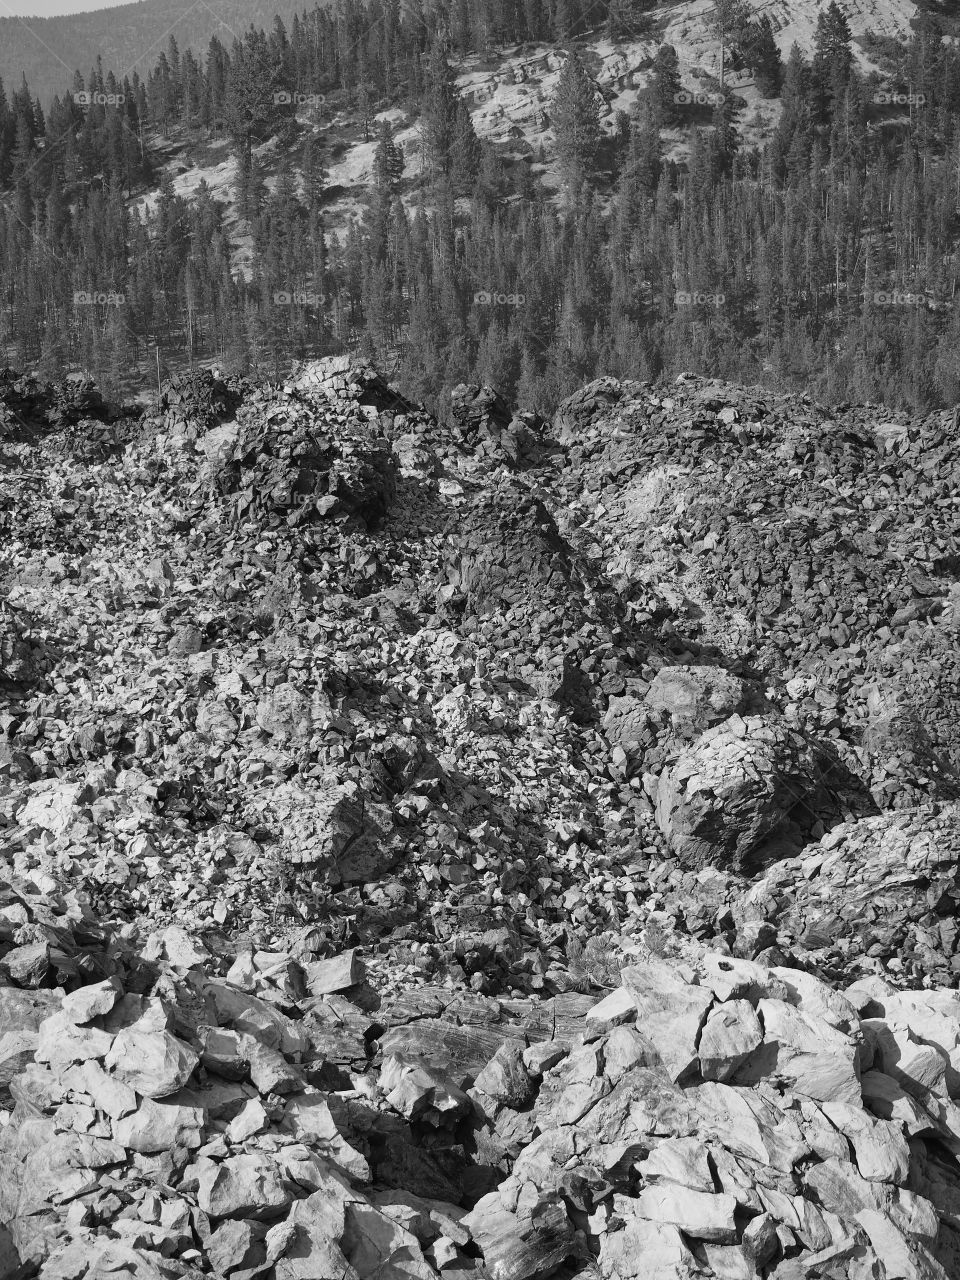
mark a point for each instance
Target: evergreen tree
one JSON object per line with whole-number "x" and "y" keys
{"x": 388, "y": 158}
{"x": 451, "y": 150}
{"x": 665, "y": 87}
{"x": 575, "y": 114}
{"x": 832, "y": 59}
{"x": 762, "y": 57}
{"x": 730, "y": 20}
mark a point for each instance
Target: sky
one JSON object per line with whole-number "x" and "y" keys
{"x": 50, "y": 8}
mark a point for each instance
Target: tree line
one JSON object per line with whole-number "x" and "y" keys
{"x": 825, "y": 258}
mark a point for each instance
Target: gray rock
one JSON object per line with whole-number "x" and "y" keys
{"x": 696, "y": 698}
{"x": 244, "y": 1186}
{"x": 734, "y": 788}
{"x": 154, "y": 1063}
{"x": 670, "y": 1013}
{"x": 731, "y": 1033}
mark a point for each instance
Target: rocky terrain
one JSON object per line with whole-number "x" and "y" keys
{"x": 497, "y": 846}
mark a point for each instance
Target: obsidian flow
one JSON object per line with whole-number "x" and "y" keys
{"x": 487, "y": 846}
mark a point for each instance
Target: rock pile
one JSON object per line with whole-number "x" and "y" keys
{"x": 305, "y": 638}
{"x": 179, "y": 1109}
{"x": 294, "y": 675}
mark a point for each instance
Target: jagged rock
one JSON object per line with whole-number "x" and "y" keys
{"x": 682, "y": 1161}
{"x": 245, "y": 1186}
{"x": 735, "y": 789}
{"x": 696, "y": 698}
{"x": 505, "y": 1078}
{"x": 731, "y": 1033}
{"x": 701, "y": 1215}
{"x": 87, "y": 1003}
{"x": 158, "y": 1126}
{"x": 670, "y": 1012}
{"x": 336, "y": 974}
{"x": 522, "y": 1244}
{"x": 626, "y": 722}
{"x": 153, "y": 1063}
{"x": 643, "y": 1248}
{"x": 414, "y": 1089}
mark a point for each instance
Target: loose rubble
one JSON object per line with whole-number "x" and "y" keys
{"x": 494, "y": 847}
{"x": 187, "y": 1115}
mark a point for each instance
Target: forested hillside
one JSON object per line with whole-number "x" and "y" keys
{"x": 806, "y": 240}
{"x": 127, "y": 37}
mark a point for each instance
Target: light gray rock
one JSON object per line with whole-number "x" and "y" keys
{"x": 154, "y": 1063}
{"x": 643, "y": 1250}
{"x": 613, "y": 1010}
{"x": 60, "y": 1042}
{"x": 702, "y": 1215}
{"x": 87, "y": 1003}
{"x": 158, "y": 1126}
{"x": 731, "y": 1033}
{"x": 670, "y": 1013}
{"x": 244, "y": 1186}
{"x": 680, "y": 1160}
{"x": 336, "y": 974}
{"x": 879, "y": 1146}
{"x": 815, "y": 1058}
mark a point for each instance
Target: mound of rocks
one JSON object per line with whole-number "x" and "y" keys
{"x": 287, "y": 466}
{"x": 175, "y": 1108}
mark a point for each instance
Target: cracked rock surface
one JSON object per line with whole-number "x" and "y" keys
{"x": 499, "y": 847}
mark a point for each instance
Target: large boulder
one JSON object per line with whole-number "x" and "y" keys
{"x": 737, "y": 787}
{"x": 879, "y": 889}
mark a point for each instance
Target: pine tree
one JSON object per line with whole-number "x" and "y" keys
{"x": 388, "y": 158}
{"x": 665, "y": 89}
{"x": 575, "y": 114}
{"x": 762, "y": 57}
{"x": 640, "y": 174}
{"x": 729, "y": 21}
{"x": 451, "y": 149}
{"x": 832, "y": 59}
{"x": 725, "y": 140}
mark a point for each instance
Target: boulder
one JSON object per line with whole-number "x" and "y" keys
{"x": 670, "y": 1012}
{"x": 734, "y": 789}
{"x": 154, "y": 1063}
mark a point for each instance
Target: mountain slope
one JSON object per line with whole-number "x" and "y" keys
{"x": 128, "y": 38}
{"x": 131, "y": 36}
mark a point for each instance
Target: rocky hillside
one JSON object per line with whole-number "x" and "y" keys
{"x": 511, "y": 847}
{"x": 508, "y": 91}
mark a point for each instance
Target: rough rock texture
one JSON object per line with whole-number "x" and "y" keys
{"x": 738, "y": 785}
{"x": 493, "y": 847}
{"x": 708, "y": 1116}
